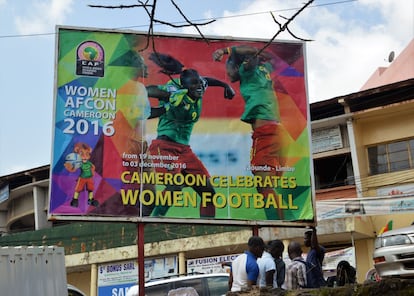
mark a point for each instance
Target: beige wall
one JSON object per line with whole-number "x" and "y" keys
{"x": 363, "y": 256}
{"x": 80, "y": 280}
{"x": 385, "y": 124}
{"x": 379, "y": 126}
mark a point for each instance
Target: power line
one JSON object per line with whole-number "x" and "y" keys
{"x": 197, "y": 20}
{"x": 26, "y": 35}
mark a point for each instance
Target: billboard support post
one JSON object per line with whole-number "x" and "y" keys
{"x": 255, "y": 230}
{"x": 141, "y": 259}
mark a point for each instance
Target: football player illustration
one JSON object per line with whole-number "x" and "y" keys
{"x": 80, "y": 160}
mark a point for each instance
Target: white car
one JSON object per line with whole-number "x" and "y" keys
{"x": 73, "y": 291}
{"x": 215, "y": 284}
{"x": 394, "y": 253}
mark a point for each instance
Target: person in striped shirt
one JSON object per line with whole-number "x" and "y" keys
{"x": 296, "y": 269}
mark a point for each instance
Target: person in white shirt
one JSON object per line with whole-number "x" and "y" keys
{"x": 244, "y": 269}
{"x": 267, "y": 269}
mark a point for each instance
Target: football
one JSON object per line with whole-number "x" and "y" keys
{"x": 74, "y": 159}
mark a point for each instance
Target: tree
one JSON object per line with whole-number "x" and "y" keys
{"x": 150, "y": 8}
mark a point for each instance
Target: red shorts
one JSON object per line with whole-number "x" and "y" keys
{"x": 265, "y": 154}
{"x": 82, "y": 182}
{"x": 175, "y": 158}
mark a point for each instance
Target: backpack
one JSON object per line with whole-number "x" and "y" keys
{"x": 314, "y": 278}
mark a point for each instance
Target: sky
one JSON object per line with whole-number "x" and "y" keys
{"x": 350, "y": 40}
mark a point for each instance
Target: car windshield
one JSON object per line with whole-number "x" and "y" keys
{"x": 394, "y": 240}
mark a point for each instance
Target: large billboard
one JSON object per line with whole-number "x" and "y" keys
{"x": 176, "y": 129}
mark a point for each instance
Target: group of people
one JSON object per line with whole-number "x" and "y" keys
{"x": 257, "y": 266}
{"x": 263, "y": 266}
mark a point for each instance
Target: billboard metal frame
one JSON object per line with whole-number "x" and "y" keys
{"x": 90, "y": 69}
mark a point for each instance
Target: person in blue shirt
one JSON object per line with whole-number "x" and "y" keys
{"x": 316, "y": 253}
{"x": 244, "y": 269}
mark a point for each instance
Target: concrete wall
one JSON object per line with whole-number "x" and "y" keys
{"x": 81, "y": 280}
{"x": 363, "y": 256}
{"x": 378, "y": 126}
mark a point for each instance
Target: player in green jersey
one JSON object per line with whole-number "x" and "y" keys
{"x": 253, "y": 71}
{"x": 182, "y": 100}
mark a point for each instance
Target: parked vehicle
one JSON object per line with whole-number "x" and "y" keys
{"x": 394, "y": 253}
{"x": 215, "y": 284}
{"x": 73, "y": 291}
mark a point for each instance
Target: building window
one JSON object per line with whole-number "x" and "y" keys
{"x": 391, "y": 157}
{"x": 333, "y": 171}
